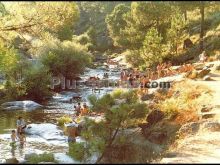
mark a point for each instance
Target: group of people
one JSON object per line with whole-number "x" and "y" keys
{"x": 18, "y": 135}
{"x": 81, "y": 110}
{"x": 136, "y": 78}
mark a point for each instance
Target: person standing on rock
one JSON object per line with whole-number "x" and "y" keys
{"x": 20, "y": 125}
{"x": 78, "y": 109}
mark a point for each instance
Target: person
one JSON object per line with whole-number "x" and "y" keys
{"x": 13, "y": 139}
{"x": 203, "y": 57}
{"x": 22, "y": 139}
{"x": 84, "y": 110}
{"x": 130, "y": 79}
{"x": 159, "y": 70}
{"x": 78, "y": 109}
{"x": 71, "y": 132}
{"x": 145, "y": 83}
{"x": 20, "y": 125}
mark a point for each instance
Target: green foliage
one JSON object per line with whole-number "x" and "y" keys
{"x": 65, "y": 58}
{"x": 14, "y": 91}
{"x": 176, "y": 32}
{"x": 45, "y": 157}
{"x": 116, "y": 23}
{"x": 37, "y": 83}
{"x": 153, "y": 49}
{"x": 37, "y": 17}
{"x": 64, "y": 120}
{"x": 76, "y": 150}
{"x": 101, "y": 135}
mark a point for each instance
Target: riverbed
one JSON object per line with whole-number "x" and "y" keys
{"x": 51, "y": 111}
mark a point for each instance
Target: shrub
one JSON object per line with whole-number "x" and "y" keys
{"x": 66, "y": 58}
{"x": 45, "y": 157}
{"x": 37, "y": 83}
{"x": 64, "y": 119}
{"x": 76, "y": 151}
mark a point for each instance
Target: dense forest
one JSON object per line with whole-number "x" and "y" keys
{"x": 40, "y": 40}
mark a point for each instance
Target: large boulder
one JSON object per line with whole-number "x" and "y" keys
{"x": 26, "y": 105}
{"x": 46, "y": 131}
{"x": 157, "y": 137}
{"x": 207, "y": 78}
{"x": 11, "y": 161}
{"x": 155, "y": 116}
{"x": 67, "y": 96}
{"x": 203, "y": 72}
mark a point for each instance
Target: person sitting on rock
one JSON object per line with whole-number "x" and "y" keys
{"x": 203, "y": 57}
{"x": 20, "y": 125}
{"x": 84, "y": 111}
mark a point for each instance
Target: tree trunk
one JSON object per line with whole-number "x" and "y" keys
{"x": 202, "y": 12}
{"x": 185, "y": 15}
{"x": 108, "y": 146}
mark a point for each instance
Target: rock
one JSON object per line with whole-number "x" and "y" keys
{"x": 207, "y": 78}
{"x": 27, "y": 105}
{"x": 135, "y": 149}
{"x": 62, "y": 158}
{"x": 46, "y": 163}
{"x": 147, "y": 97}
{"x": 217, "y": 67}
{"x": 157, "y": 137}
{"x": 70, "y": 94}
{"x": 12, "y": 161}
{"x": 67, "y": 96}
{"x": 193, "y": 74}
{"x": 46, "y": 131}
{"x": 203, "y": 72}
{"x": 189, "y": 128}
{"x": 155, "y": 116}
{"x": 120, "y": 101}
{"x": 211, "y": 126}
{"x": 199, "y": 66}
{"x": 205, "y": 109}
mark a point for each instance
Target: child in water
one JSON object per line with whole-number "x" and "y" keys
{"x": 22, "y": 139}
{"x": 13, "y": 139}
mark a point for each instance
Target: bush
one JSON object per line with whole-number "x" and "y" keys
{"x": 45, "y": 157}
{"x": 66, "y": 58}
{"x": 64, "y": 119}
{"x": 14, "y": 91}
{"x": 76, "y": 150}
{"x": 37, "y": 83}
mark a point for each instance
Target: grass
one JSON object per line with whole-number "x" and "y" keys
{"x": 182, "y": 102}
{"x": 64, "y": 120}
{"x": 45, "y": 157}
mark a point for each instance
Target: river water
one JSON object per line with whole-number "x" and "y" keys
{"x": 53, "y": 110}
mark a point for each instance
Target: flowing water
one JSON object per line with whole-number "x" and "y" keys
{"x": 53, "y": 109}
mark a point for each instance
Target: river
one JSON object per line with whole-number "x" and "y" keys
{"x": 53, "y": 110}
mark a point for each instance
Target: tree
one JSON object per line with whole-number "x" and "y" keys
{"x": 35, "y": 18}
{"x": 101, "y": 136}
{"x": 153, "y": 49}
{"x": 202, "y": 13}
{"x": 66, "y": 58}
{"x": 176, "y": 30}
{"x": 116, "y": 24}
